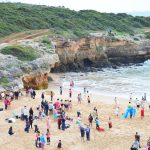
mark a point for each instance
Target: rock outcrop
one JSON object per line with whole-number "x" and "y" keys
{"x": 98, "y": 52}
{"x": 36, "y": 81}
{"x": 12, "y": 69}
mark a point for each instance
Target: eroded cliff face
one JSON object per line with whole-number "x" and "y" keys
{"x": 99, "y": 51}
{"x": 36, "y": 81}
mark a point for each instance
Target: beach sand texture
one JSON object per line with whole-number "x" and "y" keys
{"x": 120, "y": 137}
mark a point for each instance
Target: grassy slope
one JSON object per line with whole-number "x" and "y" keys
{"x": 16, "y": 17}
{"x": 21, "y": 52}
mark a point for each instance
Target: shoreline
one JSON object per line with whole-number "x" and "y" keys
{"x": 122, "y": 132}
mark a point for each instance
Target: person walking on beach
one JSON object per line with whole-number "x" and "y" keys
{"x": 82, "y": 131}
{"x": 60, "y": 90}
{"x": 142, "y": 113}
{"x": 52, "y": 95}
{"x": 27, "y": 126}
{"x": 43, "y": 141}
{"x": 31, "y": 112}
{"x": 31, "y": 120}
{"x": 97, "y": 123}
{"x": 137, "y": 137}
{"x": 70, "y": 93}
{"x": 90, "y": 120}
{"x": 42, "y": 96}
{"x": 135, "y": 145}
{"x": 6, "y": 103}
{"x": 88, "y": 99}
{"x": 87, "y": 130}
{"x": 10, "y": 131}
{"x": 59, "y": 122}
{"x": 110, "y": 123}
{"x": 59, "y": 146}
{"x": 48, "y": 137}
{"x": 33, "y": 94}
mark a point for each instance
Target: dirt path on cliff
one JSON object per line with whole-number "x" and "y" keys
{"x": 14, "y": 39}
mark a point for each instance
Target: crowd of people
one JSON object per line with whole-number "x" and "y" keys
{"x": 58, "y": 109}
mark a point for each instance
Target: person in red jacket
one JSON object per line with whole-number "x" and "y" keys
{"x": 142, "y": 113}
{"x": 59, "y": 122}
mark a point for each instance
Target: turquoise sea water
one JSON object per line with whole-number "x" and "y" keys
{"x": 114, "y": 82}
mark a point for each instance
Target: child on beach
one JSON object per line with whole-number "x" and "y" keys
{"x": 142, "y": 113}
{"x": 97, "y": 123}
{"x": 117, "y": 111}
{"x": 90, "y": 120}
{"x": 59, "y": 146}
{"x": 48, "y": 137}
{"x": 88, "y": 99}
{"x": 110, "y": 123}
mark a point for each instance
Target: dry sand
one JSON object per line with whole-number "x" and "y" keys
{"x": 120, "y": 137}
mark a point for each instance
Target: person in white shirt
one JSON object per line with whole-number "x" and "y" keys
{"x": 25, "y": 113}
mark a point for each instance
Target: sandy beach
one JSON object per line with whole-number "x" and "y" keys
{"x": 120, "y": 137}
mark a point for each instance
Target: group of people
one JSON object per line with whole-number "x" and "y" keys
{"x": 58, "y": 109}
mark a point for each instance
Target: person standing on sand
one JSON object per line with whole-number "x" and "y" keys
{"x": 90, "y": 120}
{"x": 88, "y": 99}
{"x": 70, "y": 93}
{"x": 137, "y": 137}
{"x": 48, "y": 137}
{"x": 10, "y": 131}
{"x": 82, "y": 131}
{"x": 135, "y": 145}
{"x": 87, "y": 130}
{"x": 43, "y": 141}
{"x": 31, "y": 120}
{"x": 59, "y": 122}
{"x": 97, "y": 123}
{"x": 142, "y": 113}
{"x": 6, "y": 103}
{"x": 42, "y": 96}
{"x": 31, "y": 112}
{"x": 110, "y": 123}
{"x": 52, "y": 95}
{"x": 59, "y": 146}
{"x": 60, "y": 90}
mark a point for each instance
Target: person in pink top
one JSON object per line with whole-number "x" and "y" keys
{"x": 6, "y": 103}
{"x": 57, "y": 104}
{"x": 48, "y": 123}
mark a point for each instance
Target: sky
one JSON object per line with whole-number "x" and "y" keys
{"x": 99, "y": 5}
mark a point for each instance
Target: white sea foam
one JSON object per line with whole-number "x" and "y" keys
{"x": 114, "y": 82}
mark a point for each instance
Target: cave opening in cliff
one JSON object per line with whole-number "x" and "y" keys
{"x": 87, "y": 62}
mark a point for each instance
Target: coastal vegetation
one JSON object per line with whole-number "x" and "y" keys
{"x": 18, "y": 17}
{"x": 147, "y": 35}
{"x": 23, "y": 53}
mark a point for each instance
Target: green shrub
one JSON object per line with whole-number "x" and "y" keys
{"x": 18, "y": 17}
{"x": 23, "y": 53}
{"x": 147, "y": 35}
{"x": 4, "y": 81}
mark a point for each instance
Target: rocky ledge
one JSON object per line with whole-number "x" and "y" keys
{"x": 98, "y": 51}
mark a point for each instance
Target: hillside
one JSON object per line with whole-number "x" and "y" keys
{"x": 17, "y": 17}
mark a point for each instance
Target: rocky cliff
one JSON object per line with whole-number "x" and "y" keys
{"x": 99, "y": 51}
{"x": 61, "y": 55}
{"x": 34, "y": 73}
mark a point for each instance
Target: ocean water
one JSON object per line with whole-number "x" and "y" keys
{"x": 114, "y": 82}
